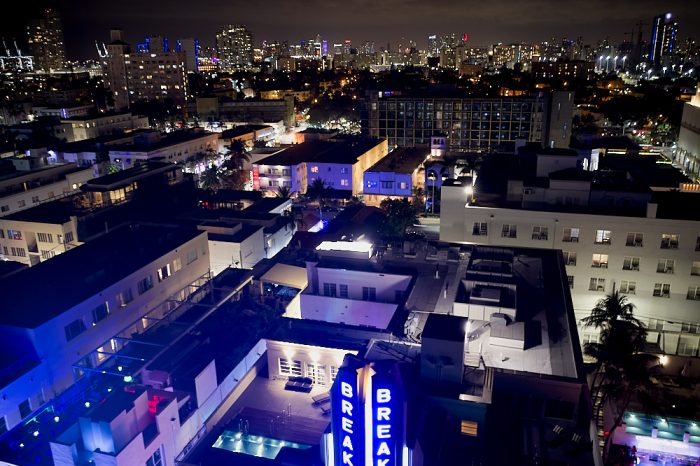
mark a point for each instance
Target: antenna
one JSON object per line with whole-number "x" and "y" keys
{"x": 19, "y": 52}
{"x": 7, "y": 52}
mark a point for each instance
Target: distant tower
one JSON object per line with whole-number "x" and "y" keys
{"x": 663, "y": 38}
{"x": 45, "y": 40}
{"x": 234, "y": 46}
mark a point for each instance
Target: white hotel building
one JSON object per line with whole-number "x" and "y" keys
{"x": 87, "y": 297}
{"x": 643, "y": 249}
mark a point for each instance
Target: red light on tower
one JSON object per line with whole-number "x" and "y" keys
{"x": 465, "y": 37}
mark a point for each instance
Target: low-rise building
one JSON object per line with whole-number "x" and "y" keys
{"x": 29, "y": 181}
{"x": 81, "y": 127}
{"x": 96, "y": 291}
{"x": 397, "y": 175}
{"x": 47, "y": 229}
{"x": 340, "y": 163}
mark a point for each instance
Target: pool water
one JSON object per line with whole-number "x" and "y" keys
{"x": 254, "y": 445}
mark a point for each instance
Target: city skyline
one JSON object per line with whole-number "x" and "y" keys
{"x": 504, "y": 21}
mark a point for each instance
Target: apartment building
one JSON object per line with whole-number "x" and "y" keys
{"x": 395, "y": 176}
{"x": 477, "y": 124}
{"x": 340, "y": 163}
{"x": 81, "y": 127}
{"x": 28, "y": 181}
{"x": 615, "y": 232}
{"x": 688, "y": 151}
{"x": 129, "y": 150}
{"x": 95, "y": 291}
{"x": 51, "y": 228}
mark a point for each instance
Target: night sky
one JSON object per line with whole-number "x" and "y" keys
{"x": 486, "y": 21}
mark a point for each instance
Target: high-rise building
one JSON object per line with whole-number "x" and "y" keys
{"x": 153, "y": 72}
{"x": 469, "y": 123}
{"x": 234, "y": 45}
{"x": 663, "y": 38}
{"x": 45, "y": 40}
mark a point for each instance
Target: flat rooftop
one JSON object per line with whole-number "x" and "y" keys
{"x": 241, "y": 130}
{"x": 54, "y": 212}
{"x": 401, "y": 160}
{"x": 70, "y": 278}
{"x": 346, "y": 152}
{"x": 165, "y": 140}
{"x": 95, "y": 116}
{"x": 125, "y": 177}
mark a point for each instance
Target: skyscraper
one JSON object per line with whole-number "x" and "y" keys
{"x": 45, "y": 40}
{"x": 663, "y": 38}
{"x": 153, "y": 72}
{"x": 234, "y": 45}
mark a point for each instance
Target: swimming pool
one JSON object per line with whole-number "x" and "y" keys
{"x": 254, "y": 445}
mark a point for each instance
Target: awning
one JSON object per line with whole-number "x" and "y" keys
{"x": 287, "y": 275}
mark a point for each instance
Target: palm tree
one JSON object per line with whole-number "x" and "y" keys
{"x": 619, "y": 359}
{"x": 318, "y": 190}
{"x": 284, "y": 192}
{"x": 210, "y": 179}
{"x": 235, "y": 156}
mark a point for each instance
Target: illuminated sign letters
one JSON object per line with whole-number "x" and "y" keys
{"x": 368, "y": 411}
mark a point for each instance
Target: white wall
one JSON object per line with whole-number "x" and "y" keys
{"x": 456, "y": 223}
{"x": 347, "y": 311}
{"x": 307, "y": 354}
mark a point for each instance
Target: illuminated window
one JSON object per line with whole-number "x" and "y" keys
{"x": 669, "y": 241}
{"x": 603, "y": 237}
{"x": 344, "y": 182}
{"x": 14, "y": 234}
{"x": 469, "y": 428}
{"x": 289, "y": 367}
{"x": 125, "y": 297}
{"x": 314, "y": 169}
{"x": 600, "y": 261}
{"x": 164, "y": 272}
{"x": 317, "y": 373}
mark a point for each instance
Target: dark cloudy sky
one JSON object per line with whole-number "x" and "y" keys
{"x": 383, "y": 21}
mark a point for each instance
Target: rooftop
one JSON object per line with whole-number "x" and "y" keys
{"x": 70, "y": 278}
{"x": 165, "y": 140}
{"x": 125, "y": 177}
{"x": 402, "y": 160}
{"x": 346, "y": 152}
{"x": 237, "y": 131}
{"x": 95, "y": 116}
